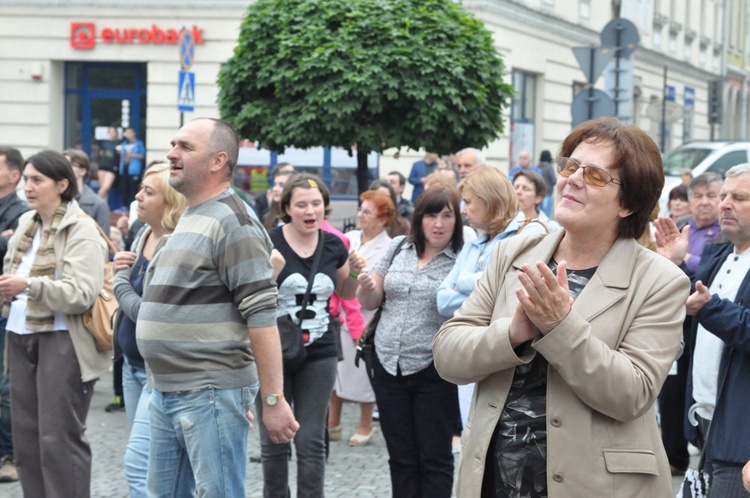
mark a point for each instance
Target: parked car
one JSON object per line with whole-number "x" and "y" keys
{"x": 700, "y": 157}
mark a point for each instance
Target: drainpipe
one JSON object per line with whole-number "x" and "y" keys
{"x": 724, "y": 48}
{"x": 743, "y": 123}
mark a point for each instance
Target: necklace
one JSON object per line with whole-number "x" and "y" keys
{"x": 304, "y": 248}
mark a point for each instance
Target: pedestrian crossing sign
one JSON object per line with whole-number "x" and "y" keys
{"x": 186, "y": 92}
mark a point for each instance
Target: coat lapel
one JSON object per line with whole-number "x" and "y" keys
{"x": 610, "y": 282}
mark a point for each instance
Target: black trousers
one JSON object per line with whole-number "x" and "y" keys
{"x": 418, "y": 417}
{"x": 672, "y": 410}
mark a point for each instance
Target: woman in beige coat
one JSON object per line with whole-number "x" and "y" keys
{"x": 53, "y": 271}
{"x": 570, "y": 336}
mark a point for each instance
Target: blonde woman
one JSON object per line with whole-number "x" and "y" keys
{"x": 159, "y": 207}
{"x": 490, "y": 206}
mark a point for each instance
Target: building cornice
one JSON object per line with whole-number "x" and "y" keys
{"x": 517, "y": 13}
{"x": 576, "y": 34}
{"x": 659, "y": 59}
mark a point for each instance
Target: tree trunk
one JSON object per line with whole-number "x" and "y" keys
{"x": 363, "y": 174}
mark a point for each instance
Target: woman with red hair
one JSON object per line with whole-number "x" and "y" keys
{"x": 376, "y": 213}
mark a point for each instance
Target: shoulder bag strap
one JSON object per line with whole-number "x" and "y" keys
{"x": 528, "y": 221}
{"x": 104, "y": 236}
{"x": 311, "y": 277}
{"x": 390, "y": 262}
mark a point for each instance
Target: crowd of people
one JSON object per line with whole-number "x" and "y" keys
{"x": 550, "y": 349}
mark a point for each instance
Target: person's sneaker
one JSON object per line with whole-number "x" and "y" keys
{"x": 116, "y": 405}
{"x": 8, "y": 471}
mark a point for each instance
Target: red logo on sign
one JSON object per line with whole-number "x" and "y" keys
{"x": 82, "y": 35}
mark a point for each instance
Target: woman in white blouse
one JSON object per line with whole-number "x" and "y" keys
{"x": 370, "y": 242}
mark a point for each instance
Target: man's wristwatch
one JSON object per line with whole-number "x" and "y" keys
{"x": 273, "y": 399}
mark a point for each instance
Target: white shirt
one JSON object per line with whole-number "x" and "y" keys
{"x": 708, "y": 347}
{"x": 17, "y": 316}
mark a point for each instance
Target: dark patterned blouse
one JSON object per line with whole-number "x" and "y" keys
{"x": 517, "y": 456}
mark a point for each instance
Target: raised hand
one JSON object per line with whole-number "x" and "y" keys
{"x": 124, "y": 259}
{"x": 670, "y": 242}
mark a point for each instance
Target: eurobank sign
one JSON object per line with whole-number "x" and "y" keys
{"x": 84, "y": 35}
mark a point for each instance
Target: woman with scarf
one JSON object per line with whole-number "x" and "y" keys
{"x": 53, "y": 271}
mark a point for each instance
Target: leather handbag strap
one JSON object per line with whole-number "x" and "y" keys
{"x": 393, "y": 256}
{"x": 311, "y": 277}
{"x": 111, "y": 247}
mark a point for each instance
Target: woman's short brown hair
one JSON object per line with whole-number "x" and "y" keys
{"x": 307, "y": 181}
{"x": 385, "y": 210}
{"x": 637, "y": 159}
{"x": 540, "y": 186}
{"x": 54, "y": 165}
{"x": 432, "y": 201}
{"x": 78, "y": 158}
{"x": 494, "y": 189}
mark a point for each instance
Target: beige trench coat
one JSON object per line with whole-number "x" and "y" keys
{"x": 80, "y": 255}
{"x": 607, "y": 362}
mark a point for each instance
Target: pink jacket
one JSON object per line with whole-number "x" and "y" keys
{"x": 355, "y": 322}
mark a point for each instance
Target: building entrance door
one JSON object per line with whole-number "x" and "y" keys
{"x": 100, "y": 95}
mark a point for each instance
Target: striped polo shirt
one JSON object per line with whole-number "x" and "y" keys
{"x": 209, "y": 282}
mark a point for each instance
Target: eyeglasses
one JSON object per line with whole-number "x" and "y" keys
{"x": 365, "y": 212}
{"x": 592, "y": 175}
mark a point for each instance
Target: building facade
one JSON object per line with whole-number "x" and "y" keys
{"x": 71, "y": 69}
{"x": 683, "y": 45}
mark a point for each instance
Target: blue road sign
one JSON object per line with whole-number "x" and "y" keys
{"x": 689, "y": 98}
{"x": 593, "y": 60}
{"x": 187, "y": 50}
{"x": 670, "y": 93}
{"x": 186, "y": 92}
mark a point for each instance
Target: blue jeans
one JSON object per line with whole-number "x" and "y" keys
{"x": 136, "y": 405}
{"x": 199, "y": 442}
{"x": 6, "y": 440}
{"x": 308, "y": 391}
{"x": 418, "y": 416}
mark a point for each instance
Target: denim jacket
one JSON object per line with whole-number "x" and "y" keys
{"x": 470, "y": 265}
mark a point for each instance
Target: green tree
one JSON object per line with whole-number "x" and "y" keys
{"x": 365, "y": 75}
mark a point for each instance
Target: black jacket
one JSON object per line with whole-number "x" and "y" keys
{"x": 11, "y": 208}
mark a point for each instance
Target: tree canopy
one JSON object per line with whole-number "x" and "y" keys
{"x": 370, "y": 74}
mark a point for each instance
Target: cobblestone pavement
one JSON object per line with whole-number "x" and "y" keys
{"x": 350, "y": 472}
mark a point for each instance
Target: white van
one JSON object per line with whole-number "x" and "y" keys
{"x": 700, "y": 157}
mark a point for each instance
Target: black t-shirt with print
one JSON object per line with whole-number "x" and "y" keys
{"x": 292, "y": 282}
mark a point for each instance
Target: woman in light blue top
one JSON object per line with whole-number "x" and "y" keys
{"x": 531, "y": 190}
{"x": 490, "y": 205}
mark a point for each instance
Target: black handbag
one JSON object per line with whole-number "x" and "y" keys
{"x": 366, "y": 346}
{"x": 696, "y": 482}
{"x": 293, "y": 352}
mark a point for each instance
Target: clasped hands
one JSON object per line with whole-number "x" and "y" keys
{"x": 543, "y": 301}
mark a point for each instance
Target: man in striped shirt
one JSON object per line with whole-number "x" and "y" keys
{"x": 207, "y": 320}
